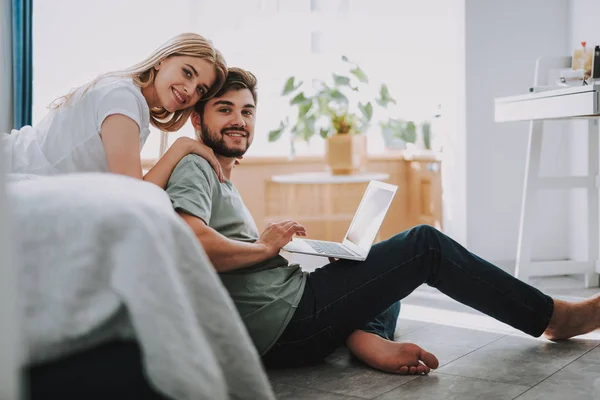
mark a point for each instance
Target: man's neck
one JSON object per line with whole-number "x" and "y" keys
{"x": 227, "y": 164}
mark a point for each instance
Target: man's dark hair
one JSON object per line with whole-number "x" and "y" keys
{"x": 237, "y": 79}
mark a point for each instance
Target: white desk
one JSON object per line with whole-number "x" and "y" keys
{"x": 569, "y": 103}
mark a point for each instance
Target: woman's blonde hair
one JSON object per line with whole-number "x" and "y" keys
{"x": 144, "y": 73}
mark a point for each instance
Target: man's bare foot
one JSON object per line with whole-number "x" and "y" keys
{"x": 392, "y": 357}
{"x": 572, "y": 319}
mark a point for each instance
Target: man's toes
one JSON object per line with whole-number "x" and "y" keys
{"x": 429, "y": 359}
{"x": 422, "y": 369}
{"x": 403, "y": 370}
{"x": 413, "y": 370}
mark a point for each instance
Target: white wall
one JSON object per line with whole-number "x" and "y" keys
{"x": 9, "y": 328}
{"x": 454, "y": 170}
{"x": 583, "y": 26}
{"x": 503, "y": 40}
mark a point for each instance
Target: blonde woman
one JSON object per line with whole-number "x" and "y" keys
{"x": 102, "y": 126}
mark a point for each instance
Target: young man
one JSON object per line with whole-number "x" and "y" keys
{"x": 296, "y": 318}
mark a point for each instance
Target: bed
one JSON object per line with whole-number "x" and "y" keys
{"x": 102, "y": 258}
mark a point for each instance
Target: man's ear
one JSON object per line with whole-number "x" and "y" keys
{"x": 196, "y": 122}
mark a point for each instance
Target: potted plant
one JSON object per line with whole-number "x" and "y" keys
{"x": 335, "y": 111}
{"x": 398, "y": 132}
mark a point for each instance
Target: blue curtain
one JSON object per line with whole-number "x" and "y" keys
{"x": 22, "y": 62}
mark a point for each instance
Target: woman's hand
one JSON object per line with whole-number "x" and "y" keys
{"x": 193, "y": 146}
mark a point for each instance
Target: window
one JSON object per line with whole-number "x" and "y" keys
{"x": 407, "y": 44}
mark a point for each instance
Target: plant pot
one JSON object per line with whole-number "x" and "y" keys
{"x": 346, "y": 154}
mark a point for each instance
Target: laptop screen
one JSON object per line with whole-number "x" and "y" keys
{"x": 369, "y": 217}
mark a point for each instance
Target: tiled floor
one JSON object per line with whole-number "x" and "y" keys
{"x": 480, "y": 358}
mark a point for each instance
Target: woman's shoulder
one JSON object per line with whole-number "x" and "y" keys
{"x": 108, "y": 85}
{"x": 113, "y": 95}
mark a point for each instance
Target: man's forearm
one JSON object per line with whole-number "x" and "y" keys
{"x": 228, "y": 255}
{"x": 160, "y": 173}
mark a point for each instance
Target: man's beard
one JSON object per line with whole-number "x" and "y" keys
{"x": 218, "y": 144}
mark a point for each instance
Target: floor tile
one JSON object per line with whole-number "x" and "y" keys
{"x": 592, "y": 356}
{"x": 287, "y": 392}
{"x": 444, "y": 334}
{"x": 343, "y": 376}
{"x": 440, "y": 386}
{"x": 433, "y": 298}
{"x": 404, "y": 326}
{"x": 518, "y": 360}
{"x": 445, "y": 353}
{"x": 579, "y": 380}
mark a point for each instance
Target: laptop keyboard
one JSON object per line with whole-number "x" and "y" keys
{"x": 330, "y": 248}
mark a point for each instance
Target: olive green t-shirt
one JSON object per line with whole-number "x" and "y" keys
{"x": 266, "y": 294}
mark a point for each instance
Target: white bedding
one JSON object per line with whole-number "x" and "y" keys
{"x": 103, "y": 257}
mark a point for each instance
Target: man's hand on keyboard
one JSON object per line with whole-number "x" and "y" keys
{"x": 279, "y": 234}
{"x": 332, "y": 259}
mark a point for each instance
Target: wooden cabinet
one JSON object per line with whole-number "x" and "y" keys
{"x": 418, "y": 200}
{"x": 424, "y": 190}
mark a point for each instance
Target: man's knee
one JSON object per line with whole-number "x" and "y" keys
{"x": 421, "y": 235}
{"x": 425, "y": 230}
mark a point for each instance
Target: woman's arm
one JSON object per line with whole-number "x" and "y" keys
{"x": 161, "y": 171}
{"x": 121, "y": 139}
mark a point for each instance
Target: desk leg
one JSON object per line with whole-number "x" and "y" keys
{"x": 591, "y": 279}
{"x": 527, "y": 222}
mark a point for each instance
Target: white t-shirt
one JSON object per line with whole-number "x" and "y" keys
{"x": 68, "y": 139}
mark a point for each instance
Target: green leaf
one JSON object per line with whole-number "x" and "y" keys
{"x": 308, "y": 128}
{"x": 366, "y": 110}
{"x": 289, "y": 86}
{"x": 345, "y": 59}
{"x": 426, "y": 128}
{"x": 384, "y": 96}
{"x": 324, "y": 133}
{"x": 426, "y": 131}
{"x": 299, "y": 98}
{"x": 276, "y": 133}
{"x": 304, "y": 109}
{"x": 360, "y": 74}
{"x": 410, "y": 132}
{"x": 340, "y": 80}
{"x": 323, "y": 105}
{"x": 336, "y": 95}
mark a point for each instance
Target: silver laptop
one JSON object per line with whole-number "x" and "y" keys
{"x": 363, "y": 229}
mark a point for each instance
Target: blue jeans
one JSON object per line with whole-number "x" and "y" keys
{"x": 345, "y": 295}
{"x": 384, "y": 324}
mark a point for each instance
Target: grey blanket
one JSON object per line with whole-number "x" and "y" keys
{"x": 103, "y": 257}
